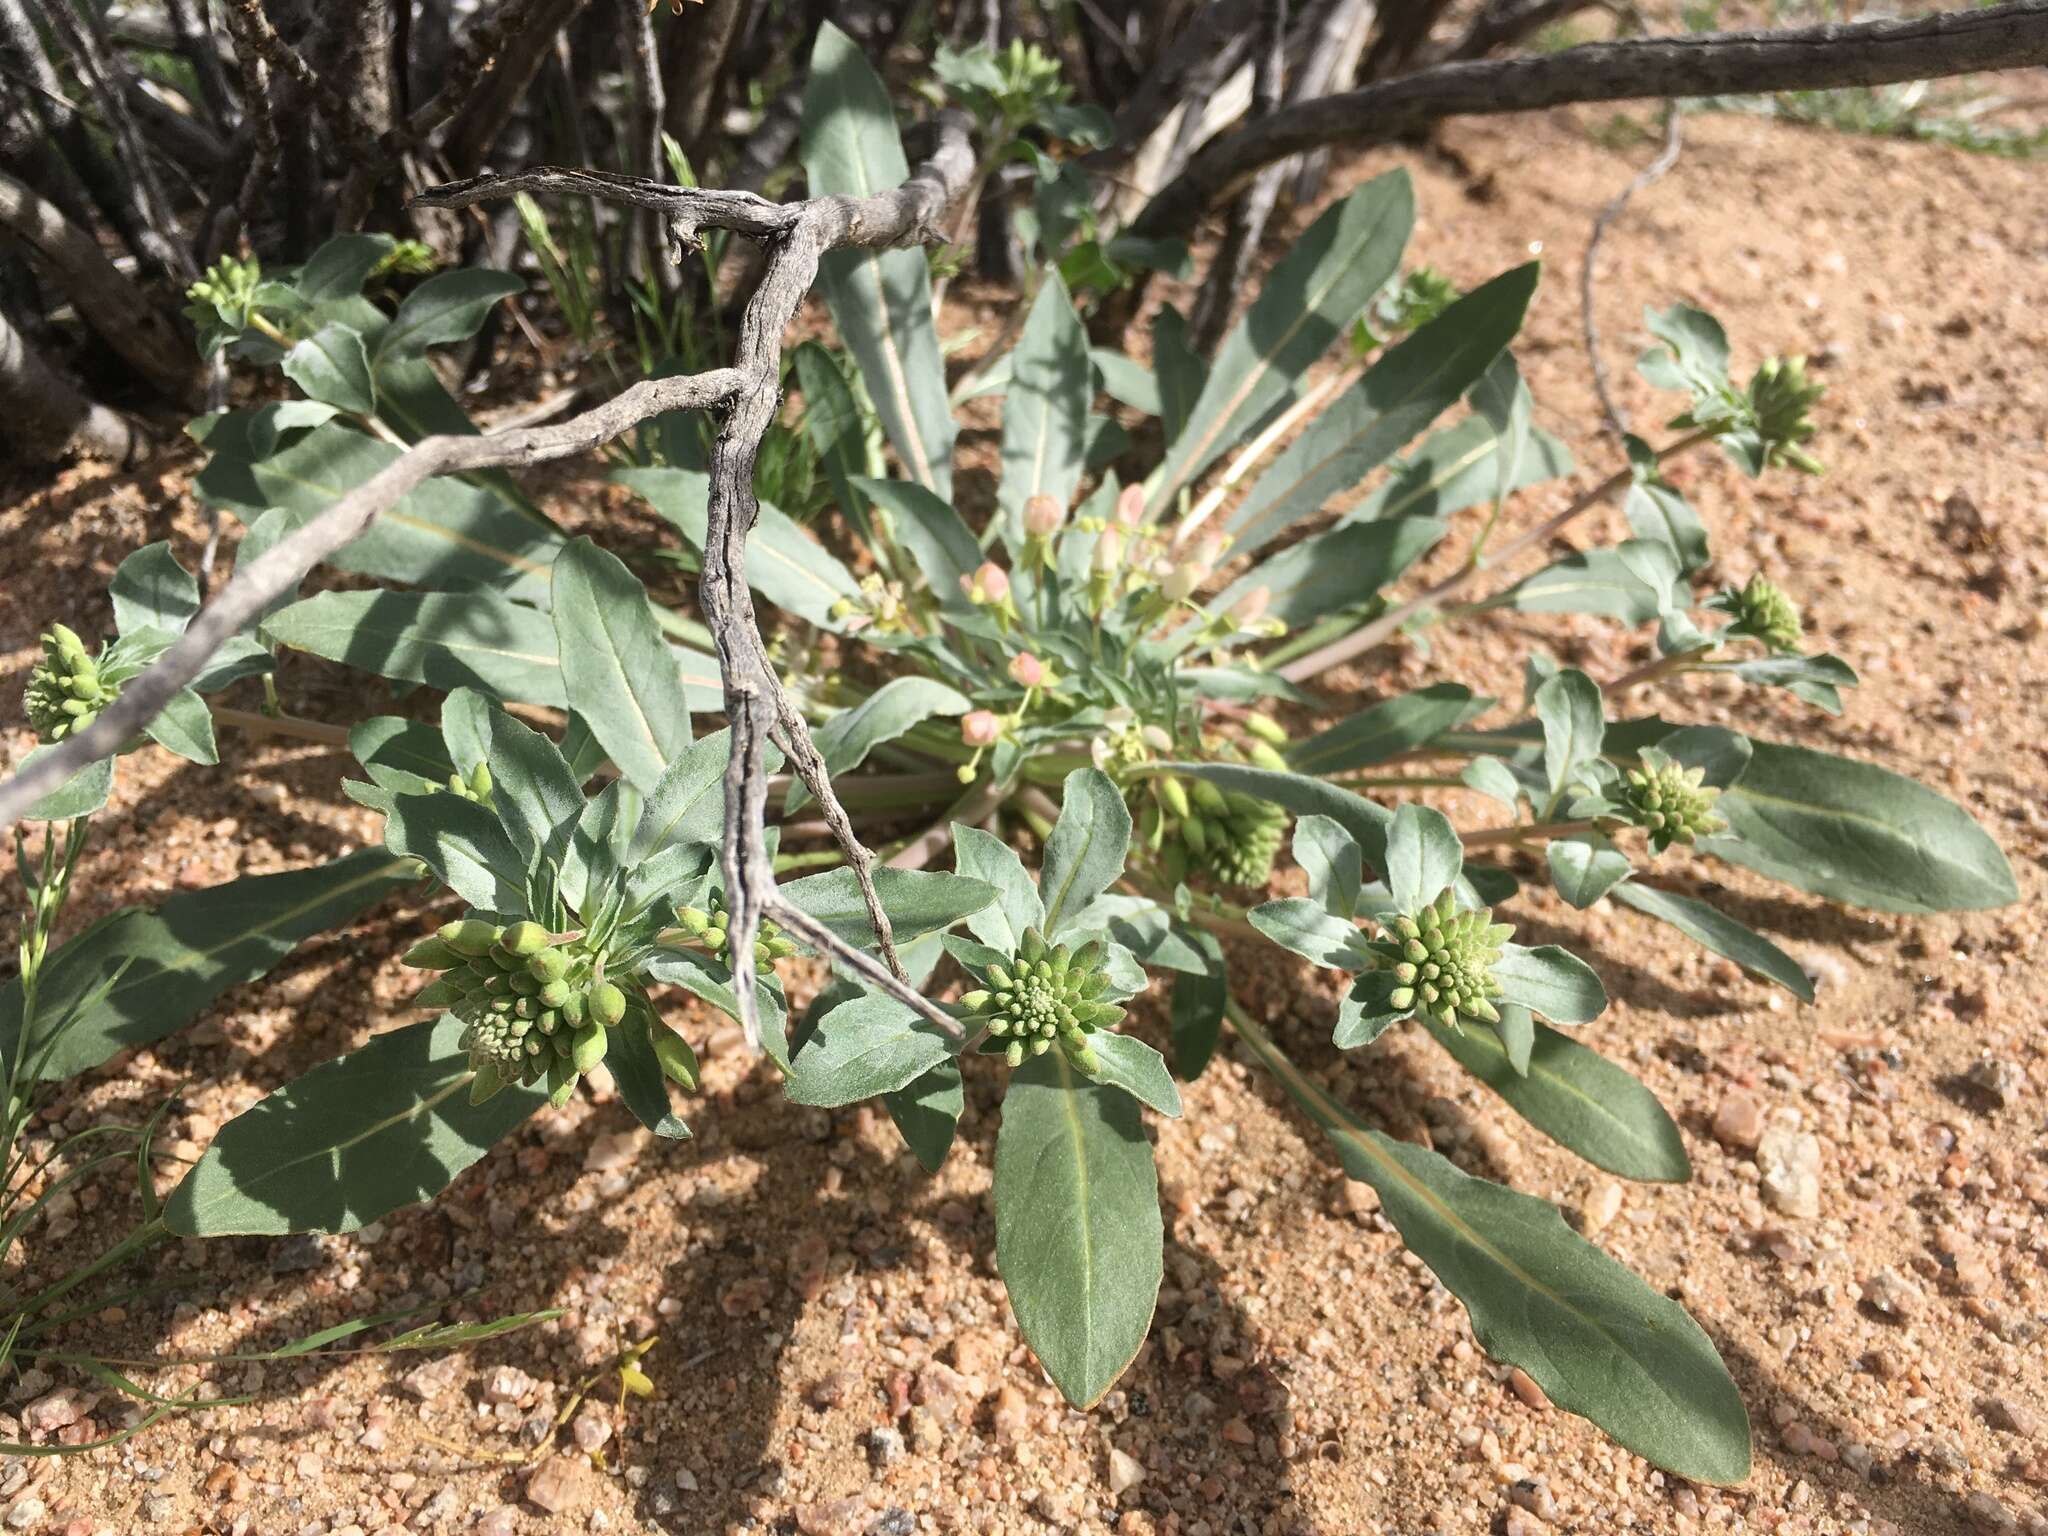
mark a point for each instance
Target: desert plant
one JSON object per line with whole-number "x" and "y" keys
{"x": 1095, "y": 662}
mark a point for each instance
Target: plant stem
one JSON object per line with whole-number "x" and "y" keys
{"x": 1365, "y": 638}
{"x": 1536, "y": 832}
{"x": 1654, "y": 671}
{"x": 280, "y": 725}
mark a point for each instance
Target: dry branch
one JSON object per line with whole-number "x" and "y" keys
{"x": 1710, "y": 64}
{"x": 796, "y": 236}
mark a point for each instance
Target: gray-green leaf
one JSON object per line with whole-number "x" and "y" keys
{"x": 615, "y": 664}
{"x": 1078, "y": 1233}
{"x": 351, "y": 1141}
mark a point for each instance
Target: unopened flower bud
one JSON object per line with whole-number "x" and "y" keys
{"x": 1043, "y": 516}
{"x": 1266, "y": 728}
{"x": 981, "y": 728}
{"x": 1130, "y": 506}
{"x": 1109, "y": 552}
{"x": 1026, "y": 670}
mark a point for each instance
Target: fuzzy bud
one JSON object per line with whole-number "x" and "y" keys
{"x": 1027, "y": 671}
{"x": 981, "y": 728}
{"x": 1043, "y": 516}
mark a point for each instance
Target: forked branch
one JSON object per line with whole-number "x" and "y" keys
{"x": 796, "y": 236}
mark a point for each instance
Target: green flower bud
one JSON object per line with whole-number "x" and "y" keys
{"x": 1670, "y": 801}
{"x": 1266, "y": 728}
{"x": 678, "y": 1061}
{"x": 607, "y": 1003}
{"x": 522, "y": 982}
{"x": 1779, "y": 397}
{"x": 589, "y": 1047}
{"x": 574, "y": 1009}
{"x": 524, "y": 939}
{"x": 553, "y": 994}
{"x": 1042, "y": 999}
{"x": 1208, "y": 797}
{"x": 433, "y": 954}
{"x": 471, "y": 936}
{"x": 549, "y": 965}
{"x": 1175, "y": 795}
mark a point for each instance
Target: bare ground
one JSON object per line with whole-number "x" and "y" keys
{"x": 834, "y": 1353}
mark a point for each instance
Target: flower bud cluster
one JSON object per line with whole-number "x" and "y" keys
{"x": 1224, "y": 833}
{"x": 1047, "y": 995}
{"x": 1763, "y": 611}
{"x": 1780, "y": 394}
{"x": 707, "y": 926}
{"x": 67, "y": 689}
{"x": 476, "y": 787}
{"x": 1442, "y": 961}
{"x": 881, "y": 606}
{"x": 1670, "y": 801}
{"x": 527, "y": 998}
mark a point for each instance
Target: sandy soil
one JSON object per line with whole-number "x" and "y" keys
{"x": 834, "y": 1352}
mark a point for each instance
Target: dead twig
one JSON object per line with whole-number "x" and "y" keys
{"x": 796, "y": 236}
{"x": 1666, "y": 158}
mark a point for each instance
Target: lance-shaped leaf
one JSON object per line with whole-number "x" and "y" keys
{"x": 881, "y": 301}
{"x": 1084, "y": 855}
{"x": 1423, "y": 856}
{"x": 1319, "y": 287}
{"x": 1578, "y": 1098}
{"x": 1596, "y": 581}
{"x": 1302, "y": 925}
{"x": 1593, "y": 1336}
{"x": 185, "y": 726}
{"x": 1715, "y": 930}
{"x": 440, "y": 533}
{"x": 1456, "y": 468}
{"x": 942, "y": 548}
{"x": 869, "y": 1045}
{"x": 1574, "y": 724}
{"x": 1338, "y": 569}
{"x": 616, "y": 666}
{"x": 1656, "y": 511}
{"x": 448, "y": 640}
{"x": 785, "y": 564}
{"x": 688, "y": 804}
{"x": 1329, "y": 856}
{"x": 918, "y": 901}
{"x": 353, "y": 1140}
{"x": 629, "y": 1054}
{"x": 1552, "y": 981}
{"x": 80, "y": 795}
{"x": 1133, "y": 1066}
{"x": 138, "y": 975}
{"x": 1387, "y": 729}
{"x": 984, "y": 856}
{"x": 1045, "y": 413}
{"x": 832, "y": 422}
{"x": 1195, "y": 1015}
{"x": 464, "y": 845}
{"x": 447, "y": 307}
{"x": 1857, "y": 833}
{"x": 332, "y": 367}
{"x": 1078, "y": 1233}
{"x": 1403, "y": 392}
{"x": 533, "y": 789}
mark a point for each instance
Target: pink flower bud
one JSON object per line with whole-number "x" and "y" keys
{"x": 992, "y": 581}
{"x": 1130, "y": 506}
{"x": 1109, "y": 552}
{"x": 1043, "y": 516}
{"x": 1026, "y": 670}
{"x": 981, "y": 728}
